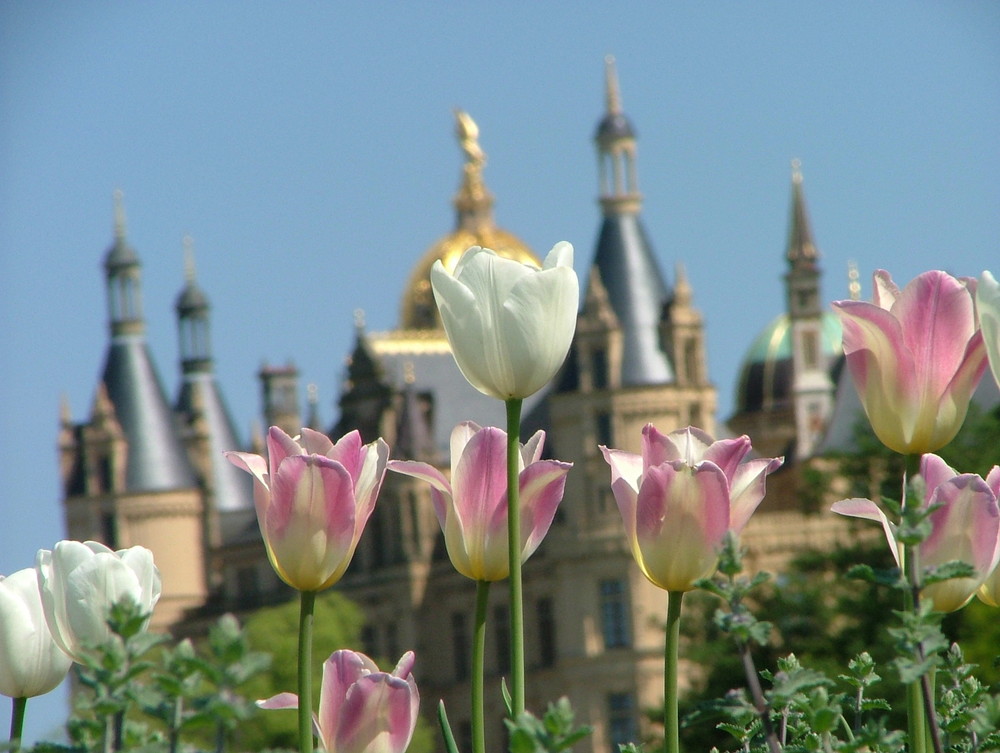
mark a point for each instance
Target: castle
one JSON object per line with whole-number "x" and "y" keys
{"x": 143, "y": 469}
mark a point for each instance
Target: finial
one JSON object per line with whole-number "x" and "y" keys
{"x": 853, "y": 284}
{"x": 359, "y": 320}
{"x": 312, "y": 394}
{"x": 796, "y": 170}
{"x": 408, "y": 373}
{"x": 611, "y": 85}
{"x": 65, "y": 413}
{"x": 119, "y": 197}
{"x": 189, "y": 272}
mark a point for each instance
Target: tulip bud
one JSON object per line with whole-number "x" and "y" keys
{"x": 680, "y": 497}
{"x": 80, "y": 582}
{"x": 361, "y": 709}
{"x": 509, "y": 324}
{"x": 472, "y": 507}
{"x": 313, "y": 500}
{"x": 915, "y": 356}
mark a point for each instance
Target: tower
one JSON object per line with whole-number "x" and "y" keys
{"x": 812, "y": 387}
{"x": 785, "y": 393}
{"x": 127, "y": 480}
{"x": 207, "y": 427}
{"x": 637, "y": 358}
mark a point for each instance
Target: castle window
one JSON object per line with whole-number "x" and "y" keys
{"x": 109, "y": 529}
{"x": 614, "y": 614}
{"x": 810, "y": 349}
{"x": 546, "y": 632}
{"x": 599, "y": 369}
{"x": 691, "y": 371}
{"x": 622, "y": 727}
{"x": 460, "y": 646}
{"x": 603, "y": 427}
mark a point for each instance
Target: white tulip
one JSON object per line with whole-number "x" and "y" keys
{"x": 31, "y": 663}
{"x": 509, "y": 324}
{"x": 80, "y": 582}
{"x": 988, "y": 309}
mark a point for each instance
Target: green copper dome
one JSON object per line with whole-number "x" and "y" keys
{"x": 766, "y": 370}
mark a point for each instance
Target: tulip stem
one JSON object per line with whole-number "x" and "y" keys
{"x": 307, "y": 602}
{"x": 478, "y": 660}
{"x": 17, "y": 722}
{"x": 514, "y": 557}
{"x": 671, "y": 727}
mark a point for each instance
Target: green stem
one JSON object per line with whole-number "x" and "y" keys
{"x": 671, "y": 727}
{"x": 306, "y": 604}
{"x": 514, "y": 557}
{"x": 910, "y": 567}
{"x": 478, "y": 660}
{"x": 17, "y": 722}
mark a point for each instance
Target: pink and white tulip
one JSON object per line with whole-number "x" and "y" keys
{"x": 680, "y": 497}
{"x": 31, "y": 663}
{"x": 915, "y": 356}
{"x": 313, "y": 499}
{"x": 988, "y": 308}
{"x": 472, "y": 506}
{"x": 965, "y": 528}
{"x": 361, "y": 709}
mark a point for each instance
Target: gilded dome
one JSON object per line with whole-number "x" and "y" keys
{"x": 766, "y": 372}
{"x": 418, "y": 310}
{"x": 475, "y": 227}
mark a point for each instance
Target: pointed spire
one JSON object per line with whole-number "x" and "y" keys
{"x": 414, "y": 435}
{"x": 682, "y": 287}
{"x": 612, "y": 92}
{"x": 119, "y": 197}
{"x": 473, "y": 201}
{"x": 801, "y": 250}
{"x": 189, "y": 269}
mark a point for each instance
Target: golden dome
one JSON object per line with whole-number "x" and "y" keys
{"x": 475, "y": 227}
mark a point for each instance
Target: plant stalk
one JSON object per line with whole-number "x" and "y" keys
{"x": 478, "y": 661}
{"x": 307, "y": 602}
{"x": 514, "y": 556}
{"x": 17, "y": 708}
{"x": 671, "y": 725}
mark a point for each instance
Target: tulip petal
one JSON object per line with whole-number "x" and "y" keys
{"x": 746, "y": 489}
{"x": 659, "y": 448}
{"x": 728, "y": 454}
{"x": 31, "y": 663}
{"x": 310, "y": 525}
{"x": 541, "y": 487}
{"x": 350, "y": 451}
{"x": 376, "y": 716}
{"x": 868, "y": 510}
{"x": 476, "y": 532}
{"x": 626, "y": 478}
{"x": 934, "y": 472}
{"x": 964, "y": 528}
{"x": 280, "y": 446}
{"x": 682, "y": 519}
{"x": 988, "y": 309}
{"x": 279, "y": 701}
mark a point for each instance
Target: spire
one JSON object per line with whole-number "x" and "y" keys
{"x": 616, "y": 150}
{"x": 192, "y": 309}
{"x": 682, "y": 287}
{"x": 414, "y": 435}
{"x": 628, "y": 268}
{"x": 612, "y": 93}
{"x": 473, "y": 201}
{"x": 122, "y": 272}
{"x": 801, "y": 251}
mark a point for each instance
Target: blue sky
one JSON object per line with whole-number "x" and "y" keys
{"x": 308, "y": 149}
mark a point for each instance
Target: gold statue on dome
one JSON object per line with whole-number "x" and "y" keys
{"x": 468, "y": 139}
